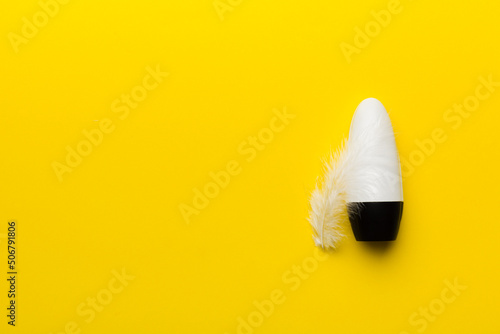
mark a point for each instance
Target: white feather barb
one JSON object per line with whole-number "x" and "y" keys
{"x": 328, "y": 201}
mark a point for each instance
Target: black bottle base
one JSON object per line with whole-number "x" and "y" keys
{"x": 375, "y": 221}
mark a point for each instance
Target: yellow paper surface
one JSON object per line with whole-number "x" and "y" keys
{"x": 158, "y": 99}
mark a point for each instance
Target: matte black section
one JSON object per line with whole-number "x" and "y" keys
{"x": 375, "y": 221}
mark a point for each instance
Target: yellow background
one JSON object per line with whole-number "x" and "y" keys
{"x": 120, "y": 207}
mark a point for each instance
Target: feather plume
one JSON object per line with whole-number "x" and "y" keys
{"x": 328, "y": 201}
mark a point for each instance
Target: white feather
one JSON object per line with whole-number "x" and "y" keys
{"x": 328, "y": 200}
